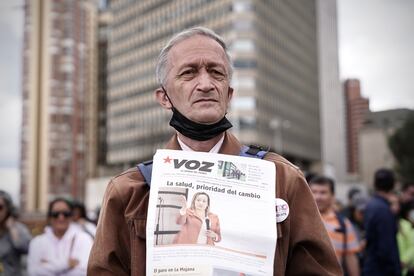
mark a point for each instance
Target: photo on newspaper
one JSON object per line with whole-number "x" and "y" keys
{"x": 211, "y": 214}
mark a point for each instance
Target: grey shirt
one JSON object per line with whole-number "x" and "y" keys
{"x": 10, "y": 251}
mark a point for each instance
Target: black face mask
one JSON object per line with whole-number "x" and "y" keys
{"x": 194, "y": 130}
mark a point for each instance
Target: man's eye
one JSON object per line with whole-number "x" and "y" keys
{"x": 187, "y": 72}
{"x": 217, "y": 73}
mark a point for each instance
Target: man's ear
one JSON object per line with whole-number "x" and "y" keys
{"x": 230, "y": 95}
{"x": 162, "y": 98}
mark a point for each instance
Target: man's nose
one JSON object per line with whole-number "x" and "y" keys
{"x": 205, "y": 82}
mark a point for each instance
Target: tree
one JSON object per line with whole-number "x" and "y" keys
{"x": 401, "y": 144}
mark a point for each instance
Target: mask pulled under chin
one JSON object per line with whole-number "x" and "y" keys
{"x": 197, "y": 131}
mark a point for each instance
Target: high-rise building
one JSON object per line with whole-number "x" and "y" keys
{"x": 58, "y": 80}
{"x": 357, "y": 108}
{"x": 274, "y": 46}
{"x": 97, "y": 165}
{"x": 332, "y": 105}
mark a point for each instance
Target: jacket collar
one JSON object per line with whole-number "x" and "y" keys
{"x": 230, "y": 145}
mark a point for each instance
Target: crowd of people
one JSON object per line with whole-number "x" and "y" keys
{"x": 371, "y": 236}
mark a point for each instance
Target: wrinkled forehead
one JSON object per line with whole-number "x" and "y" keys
{"x": 196, "y": 50}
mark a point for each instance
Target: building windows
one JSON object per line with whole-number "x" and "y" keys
{"x": 243, "y": 45}
{"x": 243, "y": 83}
{"x": 244, "y": 103}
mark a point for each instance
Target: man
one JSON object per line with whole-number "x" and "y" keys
{"x": 340, "y": 230}
{"x": 380, "y": 223}
{"x": 194, "y": 72}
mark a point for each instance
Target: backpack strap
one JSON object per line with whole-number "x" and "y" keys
{"x": 253, "y": 151}
{"x": 343, "y": 230}
{"x": 146, "y": 171}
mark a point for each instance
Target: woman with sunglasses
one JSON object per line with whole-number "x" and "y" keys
{"x": 14, "y": 238}
{"x": 63, "y": 249}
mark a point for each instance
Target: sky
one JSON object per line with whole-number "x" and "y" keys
{"x": 11, "y": 34}
{"x": 376, "y": 45}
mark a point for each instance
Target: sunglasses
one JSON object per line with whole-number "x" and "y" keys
{"x": 1, "y": 207}
{"x": 56, "y": 214}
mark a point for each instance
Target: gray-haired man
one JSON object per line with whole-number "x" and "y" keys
{"x": 194, "y": 73}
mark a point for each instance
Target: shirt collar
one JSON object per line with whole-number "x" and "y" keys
{"x": 214, "y": 149}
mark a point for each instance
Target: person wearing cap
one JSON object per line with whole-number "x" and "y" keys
{"x": 14, "y": 238}
{"x": 380, "y": 223}
{"x": 194, "y": 73}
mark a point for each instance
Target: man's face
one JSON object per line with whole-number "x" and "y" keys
{"x": 197, "y": 80}
{"x": 323, "y": 197}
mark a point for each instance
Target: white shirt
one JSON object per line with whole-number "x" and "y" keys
{"x": 214, "y": 149}
{"x": 202, "y": 238}
{"x": 49, "y": 256}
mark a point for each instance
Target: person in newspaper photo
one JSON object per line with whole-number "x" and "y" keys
{"x": 198, "y": 224}
{"x": 194, "y": 72}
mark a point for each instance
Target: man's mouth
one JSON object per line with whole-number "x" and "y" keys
{"x": 205, "y": 100}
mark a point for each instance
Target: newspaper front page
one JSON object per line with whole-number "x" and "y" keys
{"x": 211, "y": 214}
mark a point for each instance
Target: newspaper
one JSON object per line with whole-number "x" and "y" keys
{"x": 211, "y": 214}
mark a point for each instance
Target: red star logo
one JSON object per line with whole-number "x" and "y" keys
{"x": 167, "y": 160}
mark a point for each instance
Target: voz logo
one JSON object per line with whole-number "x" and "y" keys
{"x": 193, "y": 165}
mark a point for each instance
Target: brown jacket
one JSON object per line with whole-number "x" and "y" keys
{"x": 303, "y": 246}
{"x": 191, "y": 226}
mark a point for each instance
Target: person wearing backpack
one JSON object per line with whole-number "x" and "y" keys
{"x": 340, "y": 229}
{"x": 194, "y": 74}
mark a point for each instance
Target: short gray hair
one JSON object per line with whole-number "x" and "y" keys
{"x": 161, "y": 69}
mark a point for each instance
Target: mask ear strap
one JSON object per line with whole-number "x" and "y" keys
{"x": 166, "y": 94}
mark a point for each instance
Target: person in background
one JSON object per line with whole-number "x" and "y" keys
{"x": 347, "y": 211}
{"x": 405, "y": 237}
{"x": 63, "y": 249}
{"x": 14, "y": 238}
{"x": 407, "y": 192}
{"x": 81, "y": 220}
{"x": 381, "y": 254}
{"x": 359, "y": 204}
{"x": 340, "y": 230}
{"x": 394, "y": 204}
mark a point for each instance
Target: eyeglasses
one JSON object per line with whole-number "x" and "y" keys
{"x": 56, "y": 214}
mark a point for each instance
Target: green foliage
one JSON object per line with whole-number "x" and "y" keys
{"x": 401, "y": 144}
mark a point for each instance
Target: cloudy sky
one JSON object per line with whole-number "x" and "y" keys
{"x": 376, "y": 41}
{"x": 376, "y": 45}
{"x": 11, "y": 29}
